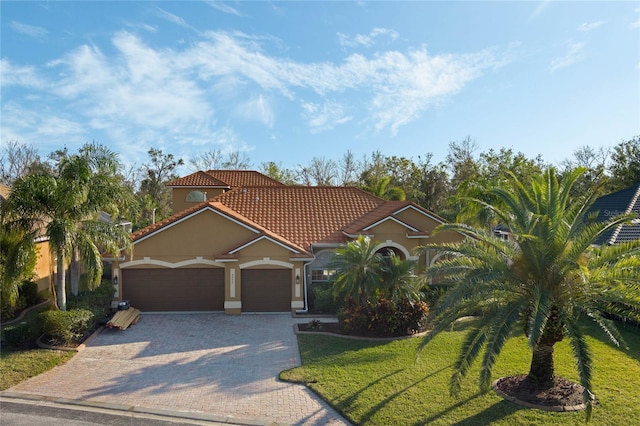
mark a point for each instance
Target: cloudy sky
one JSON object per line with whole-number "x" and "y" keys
{"x": 287, "y": 81}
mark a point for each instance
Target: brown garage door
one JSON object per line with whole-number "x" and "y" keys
{"x": 182, "y": 289}
{"x": 266, "y": 290}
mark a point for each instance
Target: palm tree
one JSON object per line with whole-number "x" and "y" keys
{"x": 381, "y": 188}
{"x": 548, "y": 279}
{"x": 357, "y": 265}
{"x": 65, "y": 208}
{"x": 398, "y": 278}
{"x": 17, "y": 256}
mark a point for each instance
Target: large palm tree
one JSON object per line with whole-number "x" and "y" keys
{"x": 548, "y": 279}
{"x": 64, "y": 206}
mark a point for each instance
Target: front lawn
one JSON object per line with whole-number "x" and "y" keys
{"x": 19, "y": 364}
{"x": 373, "y": 382}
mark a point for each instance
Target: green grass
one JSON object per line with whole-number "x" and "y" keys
{"x": 378, "y": 382}
{"x": 17, "y": 365}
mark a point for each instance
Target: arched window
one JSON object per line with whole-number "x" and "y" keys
{"x": 196, "y": 196}
{"x": 320, "y": 271}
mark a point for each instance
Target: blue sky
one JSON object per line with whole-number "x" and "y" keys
{"x": 289, "y": 81}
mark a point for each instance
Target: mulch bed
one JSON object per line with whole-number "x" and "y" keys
{"x": 564, "y": 395}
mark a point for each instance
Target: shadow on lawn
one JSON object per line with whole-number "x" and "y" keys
{"x": 489, "y": 415}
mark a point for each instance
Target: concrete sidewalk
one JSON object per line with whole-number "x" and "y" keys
{"x": 212, "y": 364}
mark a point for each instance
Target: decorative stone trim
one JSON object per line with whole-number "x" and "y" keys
{"x": 78, "y": 348}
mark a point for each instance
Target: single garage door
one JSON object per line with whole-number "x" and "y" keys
{"x": 266, "y": 290}
{"x": 182, "y": 289}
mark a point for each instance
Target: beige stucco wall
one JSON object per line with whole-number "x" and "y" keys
{"x": 205, "y": 234}
{"x": 179, "y": 196}
{"x": 45, "y": 266}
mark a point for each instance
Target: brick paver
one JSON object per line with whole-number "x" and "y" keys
{"x": 211, "y": 363}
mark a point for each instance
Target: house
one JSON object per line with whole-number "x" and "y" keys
{"x": 239, "y": 241}
{"x": 614, "y": 204}
{"x": 45, "y": 266}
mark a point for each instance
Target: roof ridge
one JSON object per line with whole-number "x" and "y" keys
{"x": 634, "y": 200}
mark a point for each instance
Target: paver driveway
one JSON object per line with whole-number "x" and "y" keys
{"x": 211, "y": 363}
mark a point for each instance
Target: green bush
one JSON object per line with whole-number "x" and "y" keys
{"x": 322, "y": 300}
{"x": 29, "y": 290}
{"x": 9, "y": 312}
{"x": 97, "y": 301}
{"x": 18, "y": 335}
{"x": 433, "y": 293}
{"x": 66, "y": 327}
{"x": 383, "y": 319}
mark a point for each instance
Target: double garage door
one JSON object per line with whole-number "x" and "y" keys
{"x": 202, "y": 289}
{"x": 181, "y": 289}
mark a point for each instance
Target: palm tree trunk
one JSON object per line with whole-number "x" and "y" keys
{"x": 74, "y": 272}
{"x": 542, "y": 369}
{"x": 61, "y": 292}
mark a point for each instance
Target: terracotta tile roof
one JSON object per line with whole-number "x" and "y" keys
{"x": 225, "y": 179}
{"x": 302, "y": 214}
{"x": 198, "y": 179}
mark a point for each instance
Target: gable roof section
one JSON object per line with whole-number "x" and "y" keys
{"x": 389, "y": 211}
{"x": 198, "y": 180}
{"x": 624, "y": 201}
{"x": 224, "y": 179}
{"x": 302, "y": 214}
{"x": 223, "y": 210}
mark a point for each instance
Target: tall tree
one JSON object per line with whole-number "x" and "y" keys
{"x": 17, "y": 160}
{"x": 276, "y": 171}
{"x": 320, "y": 172}
{"x": 625, "y": 167}
{"x": 547, "y": 280}
{"x": 160, "y": 169}
{"x": 64, "y": 206}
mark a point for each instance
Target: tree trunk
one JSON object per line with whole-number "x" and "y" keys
{"x": 542, "y": 369}
{"x": 74, "y": 272}
{"x": 61, "y": 292}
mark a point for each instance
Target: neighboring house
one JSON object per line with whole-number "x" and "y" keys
{"x": 255, "y": 244}
{"x": 45, "y": 266}
{"x": 614, "y": 204}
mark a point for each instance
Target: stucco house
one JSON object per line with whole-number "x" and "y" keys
{"x": 239, "y": 241}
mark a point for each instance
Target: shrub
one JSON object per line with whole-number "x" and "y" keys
{"x": 322, "y": 299}
{"x": 9, "y": 311}
{"x": 433, "y": 293}
{"x": 98, "y": 301}
{"x": 29, "y": 290}
{"x": 18, "y": 335}
{"x": 383, "y": 319}
{"x": 66, "y": 327}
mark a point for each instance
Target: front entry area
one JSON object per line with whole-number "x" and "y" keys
{"x": 180, "y": 289}
{"x": 266, "y": 290}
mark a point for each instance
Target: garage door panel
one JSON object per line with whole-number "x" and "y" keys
{"x": 182, "y": 289}
{"x": 266, "y": 290}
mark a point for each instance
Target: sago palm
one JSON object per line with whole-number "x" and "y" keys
{"x": 547, "y": 280}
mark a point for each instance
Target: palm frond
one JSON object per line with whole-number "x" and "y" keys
{"x": 582, "y": 355}
{"x": 471, "y": 348}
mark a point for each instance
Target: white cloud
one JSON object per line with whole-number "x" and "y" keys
{"x": 541, "y": 7}
{"x": 574, "y": 54}
{"x": 11, "y": 75}
{"x": 256, "y": 109}
{"x": 172, "y": 18}
{"x": 589, "y": 26}
{"x": 146, "y": 96}
{"x": 325, "y": 116}
{"x": 366, "y": 40}
{"x": 223, "y": 7}
{"x": 29, "y": 30}
{"x": 635, "y": 25}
